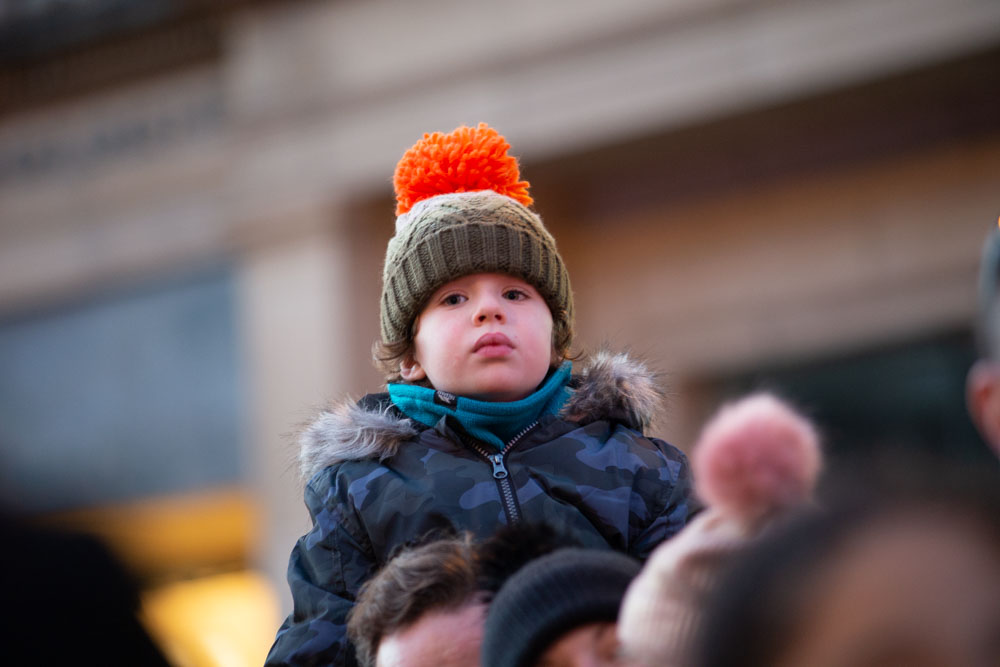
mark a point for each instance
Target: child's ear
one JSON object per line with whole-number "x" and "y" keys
{"x": 411, "y": 370}
{"x": 983, "y": 399}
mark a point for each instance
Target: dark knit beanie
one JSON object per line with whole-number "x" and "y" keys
{"x": 462, "y": 210}
{"x": 550, "y": 596}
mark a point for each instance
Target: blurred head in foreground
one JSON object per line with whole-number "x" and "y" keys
{"x": 423, "y": 607}
{"x": 427, "y": 605}
{"x": 68, "y": 600}
{"x": 911, "y": 577}
{"x": 983, "y": 383}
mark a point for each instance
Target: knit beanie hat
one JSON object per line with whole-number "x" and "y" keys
{"x": 461, "y": 209}
{"x": 551, "y": 596}
{"x": 755, "y": 461}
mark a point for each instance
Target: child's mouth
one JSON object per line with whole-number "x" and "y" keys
{"x": 493, "y": 345}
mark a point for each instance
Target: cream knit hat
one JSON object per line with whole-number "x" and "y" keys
{"x": 754, "y": 461}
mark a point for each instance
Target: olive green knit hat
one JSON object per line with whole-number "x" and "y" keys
{"x": 461, "y": 210}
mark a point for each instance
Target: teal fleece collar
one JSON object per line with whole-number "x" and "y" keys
{"x": 495, "y": 423}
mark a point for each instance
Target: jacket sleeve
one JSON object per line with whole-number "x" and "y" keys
{"x": 327, "y": 567}
{"x": 675, "y": 503}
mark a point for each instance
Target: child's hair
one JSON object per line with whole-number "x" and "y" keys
{"x": 461, "y": 209}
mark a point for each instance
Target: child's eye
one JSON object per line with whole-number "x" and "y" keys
{"x": 515, "y": 295}
{"x": 452, "y": 299}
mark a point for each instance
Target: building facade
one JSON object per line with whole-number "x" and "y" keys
{"x": 194, "y": 205}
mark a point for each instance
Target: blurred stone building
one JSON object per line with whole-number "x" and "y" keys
{"x": 195, "y": 198}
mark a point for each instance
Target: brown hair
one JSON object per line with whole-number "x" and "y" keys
{"x": 438, "y": 575}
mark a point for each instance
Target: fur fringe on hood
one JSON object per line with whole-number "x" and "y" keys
{"x": 612, "y": 387}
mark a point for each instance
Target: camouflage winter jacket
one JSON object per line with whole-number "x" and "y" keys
{"x": 378, "y": 480}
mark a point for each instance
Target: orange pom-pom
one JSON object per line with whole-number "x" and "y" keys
{"x": 465, "y": 160}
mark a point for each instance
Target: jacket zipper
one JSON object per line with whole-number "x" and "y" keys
{"x": 502, "y": 475}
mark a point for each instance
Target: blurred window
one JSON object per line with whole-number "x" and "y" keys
{"x": 124, "y": 395}
{"x": 907, "y": 397}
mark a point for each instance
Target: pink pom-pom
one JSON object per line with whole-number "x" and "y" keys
{"x": 756, "y": 456}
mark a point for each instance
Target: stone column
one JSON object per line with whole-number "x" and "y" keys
{"x": 294, "y": 292}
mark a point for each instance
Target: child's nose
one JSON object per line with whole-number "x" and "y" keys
{"x": 489, "y": 308}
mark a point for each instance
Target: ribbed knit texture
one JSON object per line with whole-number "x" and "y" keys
{"x": 551, "y": 596}
{"x": 493, "y": 422}
{"x": 457, "y": 234}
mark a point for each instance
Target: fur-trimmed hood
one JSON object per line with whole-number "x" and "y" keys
{"x": 611, "y": 387}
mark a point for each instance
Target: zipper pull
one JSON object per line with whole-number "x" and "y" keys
{"x": 499, "y": 470}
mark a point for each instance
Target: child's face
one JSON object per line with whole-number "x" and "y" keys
{"x": 486, "y": 336}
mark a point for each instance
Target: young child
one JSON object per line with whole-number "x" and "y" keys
{"x": 483, "y": 424}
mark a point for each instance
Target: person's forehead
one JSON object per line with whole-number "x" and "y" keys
{"x": 449, "y": 638}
